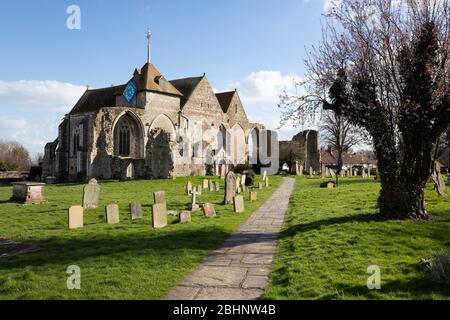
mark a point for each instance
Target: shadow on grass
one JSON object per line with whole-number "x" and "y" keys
{"x": 159, "y": 248}
{"x": 416, "y": 287}
{"x": 304, "y": 227}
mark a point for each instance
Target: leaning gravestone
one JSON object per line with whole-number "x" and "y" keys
{"x": 159, "y": 197}
{"x": 185, "y": 217}
{"x": 230, "y": 187}
{"x": 91, "y": 194}
{"x": 159, "y": 215}
{"x": 112, "y": 214}
{"x": 208, "y": 210}
{"x": 135, "y": 210}
{"x": 76, "y": 217}
{"x": 188, "y": 188}
{"x": 239, "y": 204}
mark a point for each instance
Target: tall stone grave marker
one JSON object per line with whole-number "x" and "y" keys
{"x": 230, "y": 187}
{"x": 188, "y": 188}
{"x": 112, "y": 214}
{"x": 91, "y": 194}
{"x": 205, "y": 183}
{"x": 238, "y": 204}
{"x": 159, "y": 197}
{"x": 75, "y": 217}
{"x": 159, "y": 215}
{"x": 135, "y": 210}
{"x": 216, "y": 186}
{"x": 193, "y": 206}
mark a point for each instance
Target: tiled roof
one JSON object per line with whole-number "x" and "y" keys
{"x": 329, "y": 158}
{"x": 150, "y": 79}
{"x": 186, "y": 86}
{"x": 93, "y": 100}
{"x": 225, "y": 99}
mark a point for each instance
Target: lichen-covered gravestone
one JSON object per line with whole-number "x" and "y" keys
{"x": 159, "y": 215}
{"x": 208, "y": 210}
{"x": 185, "y": 217}
{"x": 75, "y": 217}
{"x": 211, "y": 186}
{"x": 135, "y": 210}
{"x": 112, "y": 214}
{"x": 188, "y": 188}
{"x": 253, "y": 196}
{"x": 159, "y": 197}
{"x": 205, "y": 183}
{"x": 91, "y": 194}
{"x": 238, "y": 204}
{"x": 230, "y": 187}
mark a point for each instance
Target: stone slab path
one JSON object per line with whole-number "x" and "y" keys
{"x": 239, "y": 268}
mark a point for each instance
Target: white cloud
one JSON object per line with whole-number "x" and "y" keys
{"x": 264, "y": 86}
{"x": 32, "y": 109}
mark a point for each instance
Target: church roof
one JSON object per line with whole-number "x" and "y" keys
{"x": 225, "y": 99}
{"x": 150, "y": 79}
{"x": 93, "y": 100}
{"x": 186, "y": 86}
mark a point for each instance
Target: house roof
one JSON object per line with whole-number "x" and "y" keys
{"x": 186, "y": 86}
{"x": 150, "y": 79}
{"x": 225, "y": 99}
{"x": 93, "y": 100}
{"x": 328, "y": 158}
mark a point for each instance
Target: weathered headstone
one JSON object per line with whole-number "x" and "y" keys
{"x": 185, "y": 216}
{"x": 205, "y": 183}
{"x": 211, "y": 186}
{"x": 135, "y": 210}
{"x": 230, "y": 187}
{"x": 328, "y": 184}
{"x": 243, "y": 180}
{"x": 91, "y": 194}
{"x": 112, "y": 214}
{"x": 438, "y": 179}
{"x": 208, "y": 210}
{"x": 216, "y": 186}
{"x": 238, "y": 183}
{"x": 159, "y": 215}
{"x": 28, "y": 192}
{"x": 188, "y": 188}
{"x": 75, "y": 217}
{"x": 266, "y": 182}
{"x": 223, "y": 171}
{"x": 199, "y": 190}
{"x": 193, "y": 206}
{"x": 253, "y": 196}
{"x": 159, "y": 197}
{"x": 260, "y": 185}
{"x": 300, "y": 170}
{"x": 238, "y": 202}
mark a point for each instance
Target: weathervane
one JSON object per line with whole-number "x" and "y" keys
{"x": 148, "y": 34}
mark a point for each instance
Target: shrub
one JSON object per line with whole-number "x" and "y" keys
{"x": 440, "y": 267}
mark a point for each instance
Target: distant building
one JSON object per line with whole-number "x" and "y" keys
{"x": 304, "y": 148}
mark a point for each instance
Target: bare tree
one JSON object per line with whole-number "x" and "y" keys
{"x": 13, "y": 156}
{"x": 341, "y": 136}
{"x": 384, "y": 65}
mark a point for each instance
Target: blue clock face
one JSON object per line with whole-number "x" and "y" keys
{"x": 130, "y": 92}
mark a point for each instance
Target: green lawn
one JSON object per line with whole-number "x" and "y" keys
{"x": 331, "y": 236}
{"x": 124, "y": 261}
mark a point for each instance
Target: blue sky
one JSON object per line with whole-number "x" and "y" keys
{"x": 255, "y": 46}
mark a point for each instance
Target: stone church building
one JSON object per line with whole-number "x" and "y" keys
{"x": 149, "y": 128}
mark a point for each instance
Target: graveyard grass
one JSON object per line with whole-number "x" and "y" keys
{"x": 331, "y": 236}
{"x": 129, "y": 260}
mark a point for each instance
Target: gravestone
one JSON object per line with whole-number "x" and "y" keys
{"x": 238, "y": 202}
{"x": 211, "y": 186}
{"x": 208, "y": 210}
{"x": 266, "y": 182}
{"x": 264, "y": 175}
{"x": 333, "y": 173}
{"x": 300, "y": 170}
{"x": 135, "y": 210}
{"x": 223, "y": 171}
{"x": 159, "y": 215}
{"x": 193, "y": 206}
{"x": 188, "y": 188}
{"x": 438, "y": 179}
{"x": 253, "y": 196}
{"x": 238, "y": 183}
{"x": 185, "y": 217}
{"x": 260, "y": 185}
{"x": 75, "y": 217}
{"x": 112, "y": 214}
{"x": 363, "y": 173}
{"x": 205, "y": 183}
{"x": 159, "y": 197}
{"x": 91, "y": 194}
{"x": 243, "y": 179}
{"x": 230, "y": 187}
{"x": 216, "y": 186}
{"x": 199, "y": 190}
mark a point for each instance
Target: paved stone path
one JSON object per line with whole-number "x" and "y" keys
{"x": 239, "y": 269}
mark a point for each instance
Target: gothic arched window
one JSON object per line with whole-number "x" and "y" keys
{"x": 124, "y": 141}
{"x": 128, "y": 137}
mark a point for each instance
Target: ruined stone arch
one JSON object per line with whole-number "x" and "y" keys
{"x": 164, "y": 123}
{"x": 128, "y": 136}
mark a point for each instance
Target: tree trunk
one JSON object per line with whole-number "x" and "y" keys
{"x": 402, "y": 202}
